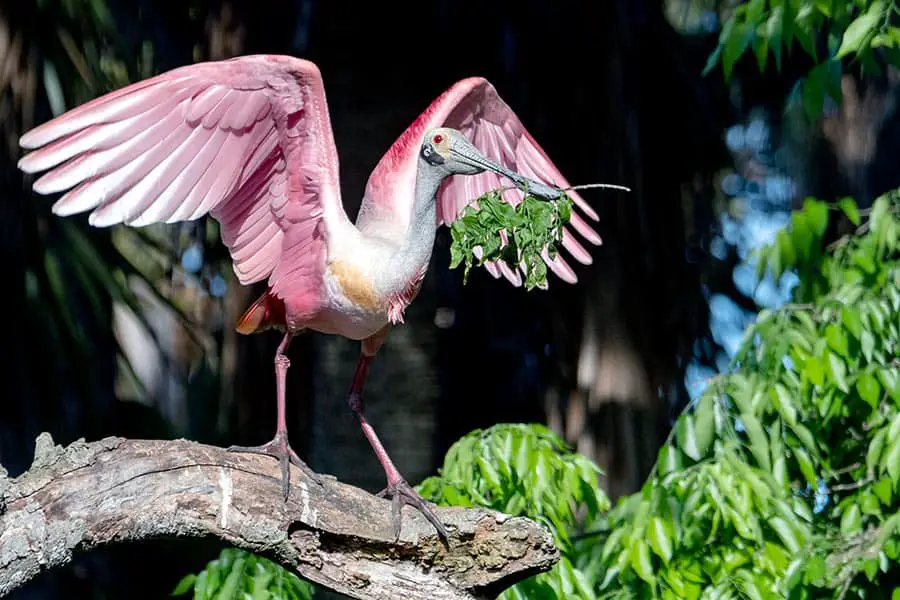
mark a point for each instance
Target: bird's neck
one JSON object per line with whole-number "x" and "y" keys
{"x": 428, "y": 182}
{"x": 406, "y": 265}
{"x": 419, "y": 239}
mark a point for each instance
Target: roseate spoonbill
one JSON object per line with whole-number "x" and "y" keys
{"x": 248, "y": 141}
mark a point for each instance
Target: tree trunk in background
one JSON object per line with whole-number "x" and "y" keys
{"x": 643, "y": 305}
{"x": 851, "y": 151}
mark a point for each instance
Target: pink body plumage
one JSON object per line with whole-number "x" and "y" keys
{"x": 249, "y": 141}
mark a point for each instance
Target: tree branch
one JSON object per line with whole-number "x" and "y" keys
{"x": 117, "y": 490}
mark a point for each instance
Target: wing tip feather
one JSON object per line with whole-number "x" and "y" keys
{"x": 26, "y": 141}
{"x": 104, "y": 217}
{"x": 62, "y": 208}
{"x": 40, "y": 135}
{"x": 47, "y": 185}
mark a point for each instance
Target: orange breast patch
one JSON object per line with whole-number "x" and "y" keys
{"x": 355, "y": 286}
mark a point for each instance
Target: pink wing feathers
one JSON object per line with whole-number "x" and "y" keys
{"x": 247, "y": 140}
{"x": 473, "y": 107}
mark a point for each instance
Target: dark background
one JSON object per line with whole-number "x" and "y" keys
{"x": 612, "y": 90}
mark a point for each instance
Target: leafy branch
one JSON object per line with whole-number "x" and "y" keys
{"x": 491, "y": 229}
{"x": 783, "y": 480}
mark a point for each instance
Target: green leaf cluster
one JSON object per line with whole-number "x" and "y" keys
{"x": 527, "y": 470}
{"x": 240, "y": 575}
{"x": 831, "y": 33}
{"x": 492, "y": 229}
{"x": 783, "y": 480}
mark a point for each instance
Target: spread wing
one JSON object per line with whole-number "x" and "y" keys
{"x": 473, "y": 107}
{"x": 246, "y": 140}
{"x": 483, "y": 117}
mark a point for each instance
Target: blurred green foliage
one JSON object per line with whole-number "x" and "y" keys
{"x": 239, "y": 575}
{"x": 73, "y": 270}
{"x": 834, "y": 34}
{"x": 782, "y": 480}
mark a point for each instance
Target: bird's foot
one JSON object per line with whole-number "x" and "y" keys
{"x": 401, "y": 493}
{"x": 280, "y": 449}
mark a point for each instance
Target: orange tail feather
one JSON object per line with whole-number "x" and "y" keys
{"x": 265, "y": 313}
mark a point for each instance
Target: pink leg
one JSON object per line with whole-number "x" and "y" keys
{"x": 279, "y": 447}
{"x": 397, "y": 487}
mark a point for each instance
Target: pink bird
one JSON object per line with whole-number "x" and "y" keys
{"x": 248, "y": 141}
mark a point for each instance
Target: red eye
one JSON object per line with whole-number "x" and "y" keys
{"x": 438, "y": 139}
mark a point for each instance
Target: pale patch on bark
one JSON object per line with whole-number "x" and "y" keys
{"x": 308, "y": 514}
{"x": 227, "y": 487}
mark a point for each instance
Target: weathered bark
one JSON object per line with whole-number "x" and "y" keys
{"x": 116, "y": 490}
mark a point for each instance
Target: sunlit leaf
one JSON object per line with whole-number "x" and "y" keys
{"x": 883, "y": 489}
{"x": 837, "y": 339}
{"x": 786, "y": 533}
{"x": 851, "y": 520}
{"x": 660, "y": 538}
{"x": 848, "y": 205}
{"x": 687, "y": 438}
{"x": 640, "y": 561}
{"x": 890, "y": 462}
{"x": 704, "y": 424}
{"x": 817, "y": 216}
{"x": 814, "y": 370}
{"x": 876, "y": 446}
{"x": 185, "y": 585}
{"x": 759, "y": 445}
{"x": 838, "y": 371}
{"x": 806, "y": 466}
{"x": 890, "y": 379}
{"x": 815, "y": 569}
{"x": 867, "y": 344}
{"x": 862, "y": 27}
{"x": 868, "y": 389}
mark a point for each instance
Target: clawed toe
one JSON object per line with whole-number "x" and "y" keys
{"x": 307, "y": 470}
{"x": 401, "y": 493}
{"x": 279, "y": 449}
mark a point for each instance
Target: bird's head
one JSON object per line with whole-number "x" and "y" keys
{"x": 450, "y": 151}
